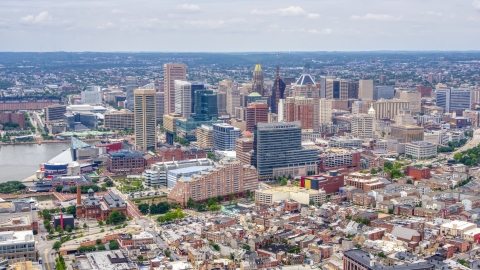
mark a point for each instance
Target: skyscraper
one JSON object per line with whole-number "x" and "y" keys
{"x": 145, "y": 118}
{"x": 278, "y": 92}
{"x": 325, "y": 111}
{"x": 172, "y": 72}
{"x": 365, "y": 90}
{"x": 383, "y": 91}
{"x": 224, "y": 137}
{"x": 205, "y": 105}
{"x": 131, "y": 85}
{"x": 233, "y": 99}
{"x": 352, "y": 90}
{"x": 183, "y": 98}
{"x": 279, "y": 145}
{"x": 301, "y": 109}
{"x": 258, "y": 80}
{"x": 195, "y": 87}
{"x": 323, "y": 85}
{"x": 455, "y": 99}
{"x": 256, "y": 112}
{"x": 362, "y": 126}
{"x": 337, "y": 89}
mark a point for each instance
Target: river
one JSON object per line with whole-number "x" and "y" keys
{"x": 18, "y": 162}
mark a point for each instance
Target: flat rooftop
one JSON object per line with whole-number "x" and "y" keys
{"x": 102, "y": 261}
{"x": 8, "y": 237}
{"x": 290, "y": 189}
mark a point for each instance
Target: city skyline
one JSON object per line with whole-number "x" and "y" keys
{"x": 329, "y": 25}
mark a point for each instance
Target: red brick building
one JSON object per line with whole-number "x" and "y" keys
{"x": 255, "y": 113}
{"x": 417, "y": 173}
{"x": 330, "y": 182}
{"x": 99, "y": 208}
{"x": 125, "y": 161}
{"x": 339, "y": 159}
{"x": 177, "y": 154}
{"x": 13, "y": 117}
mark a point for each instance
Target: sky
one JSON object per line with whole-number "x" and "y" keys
{"x": 238, "y": 25}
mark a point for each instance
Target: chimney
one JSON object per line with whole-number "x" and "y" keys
{"x": 79, "y": 195}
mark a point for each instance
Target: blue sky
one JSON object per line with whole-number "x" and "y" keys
{"x": 239, "y": 25}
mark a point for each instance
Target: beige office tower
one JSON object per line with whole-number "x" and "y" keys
{"x": 475, "y": 95}
{"x": 233, "y": 99}
{"x": 281, "y": 110}
{"x": 414, "y": 99}
{"x": 145, "y": 119}
{"x": 365, "y": 90}
{"x": 205, "y": 137}
{"x": 183, "y": 98}
{"x": 336, "y": 89}
{"x": 172, "y": 72}
{"x": 324, "y": 111}
{"x": 388, "y": 108}
{"x": 362, "y": 126}
{"x": 247, "y": 88}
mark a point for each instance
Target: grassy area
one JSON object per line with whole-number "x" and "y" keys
{"x": 150, "y": 199}
{"x": 128, "y": 185}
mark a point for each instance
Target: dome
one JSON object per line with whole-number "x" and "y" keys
{"x": 371, "y": 110}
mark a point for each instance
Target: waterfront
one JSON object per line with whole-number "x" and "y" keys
{"x": 18, "y": 162}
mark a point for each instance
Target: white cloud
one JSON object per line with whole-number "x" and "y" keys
{"x": 476, "y": 4}
{"x": 289, "y": 11}
{"x": 42, "y": 17}
{"x": 106, "y": 26}
{"x": 375, "y": 17}
{"x": 118, "y": 11}
{"x": 188, "y": 7}
{"x": 209, "y": 24}
{"x": 324, "y": 31}
{"x": 313, "y": 16}
{"x": 292, "y": 11}
{"x": 434, "y": 13}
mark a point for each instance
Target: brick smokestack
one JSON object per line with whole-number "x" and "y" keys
{"x": 79, "y": 195}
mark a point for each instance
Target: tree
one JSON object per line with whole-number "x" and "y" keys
{"x": 190, "y": 203}
{"x": 409, "y": 182}
{"x": 457, "y": 156}
{"x": 246, "y": 247}
{"x": 390, "y": 211}
{"x": 373, "y": 171}
{"x": 231, "y": 197}
{"x": 98, "y": 241}
{"x": 101, "y": 247}
{"x": 167, "y": 252}
{"x": 388, "y": 165}
{"x": 283, "y": 182}
{"x": 100, "y": 222}
{"x": 113, "y": 245}
{"x": 72, "y": 210}
{"x": 57, "y": 245}
{"x": 381, "y": 255}
{"x": 117, "y": 217}
{"x": 59, "y": 188}
{"x": 249, "y": 193}
{"x": 85, "y": 225}
{"x": 143, "y": 208}
{"x": 358, "y": 245}
{"x": 109, "y": 183}
{"x": 311, "y": 202}
{"x": 68, "y": 228}
{"x": 140, "y": 258}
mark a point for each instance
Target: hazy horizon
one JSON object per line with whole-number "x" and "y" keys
{"x": 238, "y": 26}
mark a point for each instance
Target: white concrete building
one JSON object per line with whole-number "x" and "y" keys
{"x": 183, "y": 98}
{"x": 421, "y": 149}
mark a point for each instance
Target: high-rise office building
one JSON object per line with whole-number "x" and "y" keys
{"x": 304, "y": 89}
{"x": 183, "y": 95}
{"x": 233, "y": 99}
{"x": 388, "y": 108}
{"x": 92, "y": 95}
{"x": 205, "y": 137}
{"x": 257, "y": 83}
{"x": 205, "y": 105}
{"x": 382, "y": 79}
{"x": 323, "y": 85}
{"x": 131, "y": 84}
{"x": 55, "y": 113}
{"x": 255, "y": 113}
{"x": 278, "y": 92}
{"x": 194, "y": 88}
{"x": 172, "y": 72}
{"x": 426, "y": 91}
{"x": 365, "y": 90}
{"x": 337, "y": 89}
{"x": 352, "y": 90}
{"x": 301, "y": 109}
{"x": 159, "y": 109}
{"x": 224, "y": 136}
{"x": 325, "y": 111}
{"x": 455, "y": 99}
{"x": 383, "y": 91}
{"x": 145, "y": 119}
{"x": 414, "y": 99}
{"x": 119, "y": 120}
{"x": 222, "y": 102}
{"x": 279, "y": 145}
{"x": 362, "y": 126}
